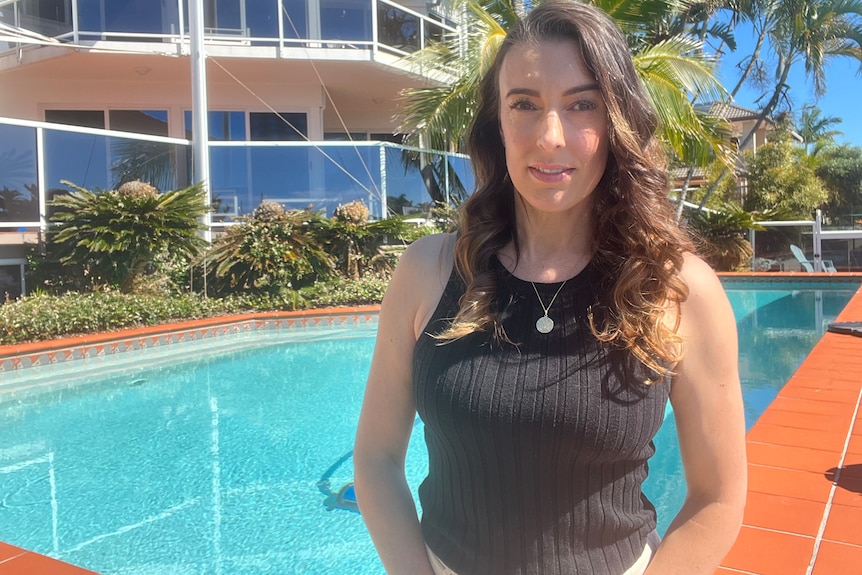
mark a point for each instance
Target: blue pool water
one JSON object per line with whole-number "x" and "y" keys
{"x": 208, "y": 458}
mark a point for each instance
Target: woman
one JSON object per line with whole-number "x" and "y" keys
{"x": 541, "y": 345}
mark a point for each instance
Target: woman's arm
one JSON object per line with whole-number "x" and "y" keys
{"x": 707, "y": 405}
{"x": 388, "y": 410}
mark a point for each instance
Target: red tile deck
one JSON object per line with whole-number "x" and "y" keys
{"x": 803, "y": 515}
{"x": 17, "y": 561}
{"x": 804, "y": 510}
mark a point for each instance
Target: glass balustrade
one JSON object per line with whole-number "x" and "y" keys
{"x": 98, "y": 161}
{"x": 19, "y": 185}
{"x": 297, "y": 175}
{"x": 326, "y": 23}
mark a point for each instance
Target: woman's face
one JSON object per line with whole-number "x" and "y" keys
{"x": 554, "y": 125}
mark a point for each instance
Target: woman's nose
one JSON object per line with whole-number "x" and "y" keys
{"x": 551, "y": 135}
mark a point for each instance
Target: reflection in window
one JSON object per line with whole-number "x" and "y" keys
{"x": 222, "y": 126}
{"x": 434, "y": 33}
{"x": 85, "y": 118}
{"x": 225, "y": 17}
{"x": 157, "y": 163}
{"x": 48, "y": 17}
{"x": 345, "y": 20}
{"x": 295, "y": 15}
{"x": 11, "y": 282}
{"x": 281, "y": 127}
{"x": 388, "y": 137}
{"x": 139, "y": 16}
{"x": 262, "y": 18}
{"x": 344, "y": 136}
{"x": 78, "y": 158}
{"x": 153, "y": 122}
{"x": 397, "y": 28}
{"x": 19, "y": 192}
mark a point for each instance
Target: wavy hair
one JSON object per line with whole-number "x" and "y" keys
{"x": 637, "y": 247}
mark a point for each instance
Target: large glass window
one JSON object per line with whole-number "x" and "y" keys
{"x": 388, "y": 137}
{"x": 223, "y": 126}
{"x": 11, "y": 281}
{"x": 153, "y": 122}
{"x": 79, "y": 158}
{"x": 48, "y": 17}
{"x": 295, "y": 17}
{"x": 262, "y": 18}
{"x": 141, "y": 16}
{"x": 225, "y": 17}
{"x": 398, "y": 28}
{"x": 344, "y": 136}
{"x": 95, "y": 161}
{"x": 19, "y": 192}
{"x": 345, "y": 20}
{"x": 283, "y": 127}
{"x": 85, "y": 118}
{"x": 255, "y": 18}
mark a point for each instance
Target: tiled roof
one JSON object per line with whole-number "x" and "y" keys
{"x": 728, "y": 111}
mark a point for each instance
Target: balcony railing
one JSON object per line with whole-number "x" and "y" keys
{"x": 36, "y": 156}
{"x": 376, "y": 25}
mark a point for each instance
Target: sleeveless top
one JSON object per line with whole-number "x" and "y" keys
{"x": 537, "y": 448}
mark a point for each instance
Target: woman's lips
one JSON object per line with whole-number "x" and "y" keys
{"x": 550, "y": 174}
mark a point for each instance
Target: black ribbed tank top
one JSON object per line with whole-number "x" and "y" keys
{"x": 537, "y": 451}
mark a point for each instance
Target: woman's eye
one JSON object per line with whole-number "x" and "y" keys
{"x": 522, "y": 105}
{"x": 583, "y": 105}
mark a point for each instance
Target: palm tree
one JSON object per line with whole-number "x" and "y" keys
{"x": 672, "y": 66}
{"x": 810, "y": 32}
{"x": 760, "y": 14}
{"x": 814, "y": 129}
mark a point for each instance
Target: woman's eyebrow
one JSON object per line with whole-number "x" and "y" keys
{"x": 535, "y": 93}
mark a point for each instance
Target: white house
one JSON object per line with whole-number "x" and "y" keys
{"x": 300, "y": 95}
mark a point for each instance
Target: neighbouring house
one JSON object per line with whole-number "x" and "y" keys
{"x": 300, "y": 98}
{"x": 741, "y": 121}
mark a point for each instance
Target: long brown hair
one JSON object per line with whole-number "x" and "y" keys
{"x": 637, "y": 248}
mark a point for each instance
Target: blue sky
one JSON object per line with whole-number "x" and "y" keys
{"x": 843, "y": 98}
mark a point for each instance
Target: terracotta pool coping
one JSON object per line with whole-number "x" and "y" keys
{"x": 166, "y": 328}
{"x": 803, "y": 515}
{"x": 804, "y": 507}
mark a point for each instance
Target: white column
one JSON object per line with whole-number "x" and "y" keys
{"x": 200, "y": 126}
{"x": 818, "y": 254}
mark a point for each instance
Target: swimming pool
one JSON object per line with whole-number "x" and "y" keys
{"x": 214, "y": 464}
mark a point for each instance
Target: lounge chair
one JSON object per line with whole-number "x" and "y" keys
{"x": 807, "y": 264}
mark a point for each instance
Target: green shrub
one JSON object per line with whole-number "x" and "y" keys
{"x": 42, "y": 316}
{"x": 269, "y": 251}
{"x": 343, "y": 292}
{"x": 111, "y": 238}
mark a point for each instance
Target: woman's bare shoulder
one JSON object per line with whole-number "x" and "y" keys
{"x": 420, "y": 278}
{"x": 700, "y": 278}
{"x": 430, "y": 247}
{"x": 707, "y": 303}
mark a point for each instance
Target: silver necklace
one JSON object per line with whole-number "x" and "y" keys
{"x": 545, "y": 324}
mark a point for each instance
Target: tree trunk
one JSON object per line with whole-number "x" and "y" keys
{"x": 754, "y": 55}
{"x": 683, "y": 193}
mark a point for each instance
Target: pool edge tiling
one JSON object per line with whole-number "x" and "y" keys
{"x": 21, "y": 356}
{"x": 804, "y": 503}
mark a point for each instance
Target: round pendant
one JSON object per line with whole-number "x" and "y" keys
{"x": 544, "y": 324}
